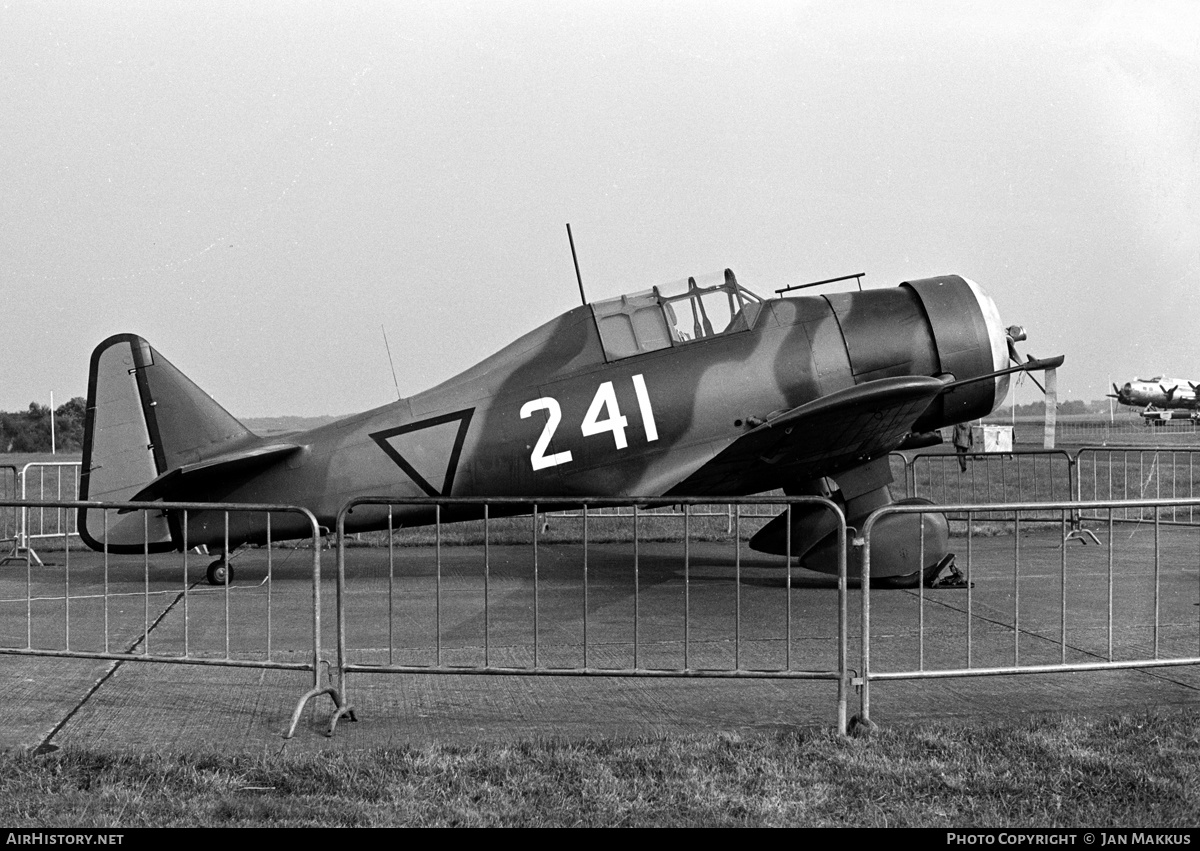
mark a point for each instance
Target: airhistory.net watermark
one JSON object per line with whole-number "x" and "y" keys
{"x": 43, "y": 837}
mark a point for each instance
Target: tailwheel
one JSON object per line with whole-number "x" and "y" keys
{"x": 220, "y": 572}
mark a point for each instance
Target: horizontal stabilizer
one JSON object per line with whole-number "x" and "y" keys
{"x": 175, "y": 485}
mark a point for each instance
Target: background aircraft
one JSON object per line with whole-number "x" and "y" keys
{"x": 697, "y": 389}
{"x": 1157, "y": 393}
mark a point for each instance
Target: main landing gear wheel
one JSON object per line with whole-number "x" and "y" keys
{"x": 220, "y": 572}
{"x": 932, "y": 576}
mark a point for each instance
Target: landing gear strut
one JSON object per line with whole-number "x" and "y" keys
{"x": 907, "y": 550}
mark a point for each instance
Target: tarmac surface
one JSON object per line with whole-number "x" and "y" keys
{"x": 724, "y": 613}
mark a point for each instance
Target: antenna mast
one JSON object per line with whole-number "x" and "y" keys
{"x": 392, "y": 365}
{"x": 576, "y": 262}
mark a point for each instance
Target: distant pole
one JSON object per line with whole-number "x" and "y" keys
{"x": 1051, "y": 408}
{"x": 1012, "y": 408}
{"x": 52, "y": 452}
{"x": 575, "y": 260}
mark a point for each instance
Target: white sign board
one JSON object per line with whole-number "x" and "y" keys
{"x": 992, "y": 438}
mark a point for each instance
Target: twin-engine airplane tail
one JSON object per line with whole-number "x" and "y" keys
{"x": 149, "y": 429}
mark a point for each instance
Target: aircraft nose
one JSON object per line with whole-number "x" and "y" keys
{"x": 1000, "y": 337}
{"x": 971, "y": 344}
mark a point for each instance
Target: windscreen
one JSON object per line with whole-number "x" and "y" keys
{"x": 675, "y": 314}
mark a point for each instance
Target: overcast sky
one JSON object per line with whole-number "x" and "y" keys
{"x": 263, "y": 189}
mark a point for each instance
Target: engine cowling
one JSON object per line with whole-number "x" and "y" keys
{"x": 943, "y": 326}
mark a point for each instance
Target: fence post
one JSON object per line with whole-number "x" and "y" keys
{"x": 861, "y": 544}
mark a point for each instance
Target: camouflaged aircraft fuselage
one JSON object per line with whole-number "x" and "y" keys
{"x": 710, "y": 391}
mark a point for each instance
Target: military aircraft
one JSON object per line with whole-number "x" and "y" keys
{"x": 697, "y": 389}
{"x": 1157, "y": 394}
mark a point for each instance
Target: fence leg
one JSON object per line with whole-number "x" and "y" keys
{"x": 16, "y": 555}
{"x": 342, "y": 709}
{"x": 1078, "y": 532}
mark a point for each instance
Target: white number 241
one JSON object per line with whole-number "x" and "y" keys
{"x": 604, "y": 403}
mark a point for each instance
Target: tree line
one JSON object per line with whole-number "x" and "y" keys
{"x": 29, "y": 430}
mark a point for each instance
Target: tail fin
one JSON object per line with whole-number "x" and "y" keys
{"x": 144, "y": 418}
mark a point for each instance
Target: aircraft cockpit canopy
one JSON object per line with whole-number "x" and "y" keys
{"x": 677, "y": 314}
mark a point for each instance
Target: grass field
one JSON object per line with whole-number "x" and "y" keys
{"x": 1131, "y": 771}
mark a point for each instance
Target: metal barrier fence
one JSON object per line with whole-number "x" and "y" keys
{"x": 50, "y": 480}
{"x": 152, "y": 607}
{"x": 1127, "y": 431}
{"x": 38, "y": 481}
{"x": 9, "y": 515}
{"x": 898, "y": 465}
{"x": 726, "y": 510}
{"x": 46, "y": 481}
{"x": 1053, "y": 608}
{"x": 1141, "y": 472}
{"x": 1125, "y": 472}
{"x": 1042, "y": 475}
{"x": 555, "y": 613}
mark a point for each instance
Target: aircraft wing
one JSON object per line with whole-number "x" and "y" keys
{"x": 819, "y": 438}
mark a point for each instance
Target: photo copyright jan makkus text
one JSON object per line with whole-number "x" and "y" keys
{"x": 1097, "y": 838}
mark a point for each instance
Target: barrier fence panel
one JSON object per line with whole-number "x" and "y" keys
{"x": 726, "y": 510}
{"x": 49, "y": 481}
{"x": 1138, "y": 473}
{"x": 1033, "y": 604}
{"x": 1177, "y": 430}
{"x": 9, "y": 514}
{"x": 133, "y": 601}
{"x": 511, "y": 586}
{"x": 901, "y": 484}
{"x": 1043, "y": 475}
